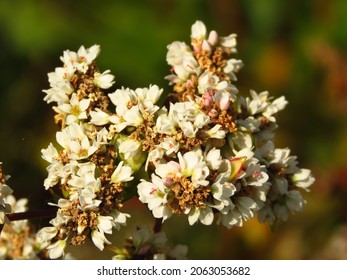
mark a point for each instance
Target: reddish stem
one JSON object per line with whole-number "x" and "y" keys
{"x": 157, "y": 225}
{"x": 29, "y": 215}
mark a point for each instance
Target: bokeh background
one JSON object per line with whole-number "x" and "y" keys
{"x": 292, "y": 48}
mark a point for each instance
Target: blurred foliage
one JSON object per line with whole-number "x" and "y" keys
{"x": 292, "y": 48}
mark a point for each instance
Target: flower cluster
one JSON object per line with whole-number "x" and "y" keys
{"x": 5, "y": 190}
{"x": 17, "y": 241}
{"x": 212, "y": 151}
{"x": 207, "y": 153}
{"x": 144, "y": 244}
{"x": 84, "y": 173}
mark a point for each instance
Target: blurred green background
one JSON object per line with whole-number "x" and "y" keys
{"x": 292, "y": 48}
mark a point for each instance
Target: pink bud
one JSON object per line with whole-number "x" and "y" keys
{"x": 206, "y": 46}
{"x": 206, "y": 99}
{"x": 224, "y": 103}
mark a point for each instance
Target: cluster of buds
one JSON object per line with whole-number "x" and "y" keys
{"x": 207, "y": 153}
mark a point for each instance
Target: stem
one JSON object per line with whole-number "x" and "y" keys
{"x": 29, "y": 215}
{"x": 157, "y": 225}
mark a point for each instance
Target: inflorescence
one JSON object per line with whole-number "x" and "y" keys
{"x": 207, "y": 152}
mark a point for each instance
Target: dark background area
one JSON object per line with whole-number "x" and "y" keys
{"x": 292, "y": 48}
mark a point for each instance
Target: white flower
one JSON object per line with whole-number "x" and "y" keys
{"x": 75, "y": 110}
{"x": 105, "y": 224}
{"x": 129, "y": 148}
{"x": 74, "y": 140}
{"x": 204, "y": 215}
{"x": 216, "y": 132}
{"x": 274, "y": 107}
{"x": 183, "y": 62}
{"x": 50, "y": 153}
{"x": 119, "y": 219}
{"x": 99, "y": 239}
{"x": 45, "y": 235}
{"x": 193, "y": 165}
{"x": 282, "y": 158}
{"x": 99, "y": 117}
{"x": 81, "y": 60}
{"x": 179, "y": 53}
{"x": 56, "y": 250}
{"x": 155, "y": 195}
{"x": 168, "y": 146}
{"x": 198, "y": 30}
{"x": 303, "y": 178}
{"x": 233, "y": 66}
{"x": 104, "y": 80}
{"x": 229, "y": 42}
{"x": 208, "y": 81}
{"x": 86, "y": 197}
{"x": 151, "y": 94}
{"x": 121, "y": 174}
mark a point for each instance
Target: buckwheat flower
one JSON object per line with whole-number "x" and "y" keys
{"x": 56, "y": 250}
{"x": 54, "y": 174}
{"x": 129, "y": 148}
{"x": 82, "y": 59}
{"x": 151, "y": 94}
{"x": 229, "y": 42}
{"x": 74, "y": 140}
{"x": 166, "y": 124}
{"x": 233, "y": 66}
{"x": 208, "y": 81}
{"x": 177, "y": 52}
{"x": 283, "y": 159}
{"x": 204, "y": 215}
{"x": 87, "y": 201}
{"x": 240, "y": 140}
{"x": 75, "y": 110}
{"x": 192, "y": 165}
{"x": 57, "y": 95}
{"x": 122, "y": 98}
{"x": 274, "y": 107}
{"x": 99, "y": 239}
{"x": 121, "y": 174}
{"x": 119, "y": 219}
{"x": 131, "y": 152}
{"x": 169, "y": 146}
{"x": 103, "y": 80}
{"x": 105, "y": 224}
{"x": 155, "y": 194}
{"x": 198, "y": 30}
{"x": 99, "y": 117}
{"x": 45, "y": 235}
{"x": 302, "y": 178}
{"x": 61, "y": 88}
{"x": 216, "y": 132}
{"x": 258, "y": 103}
